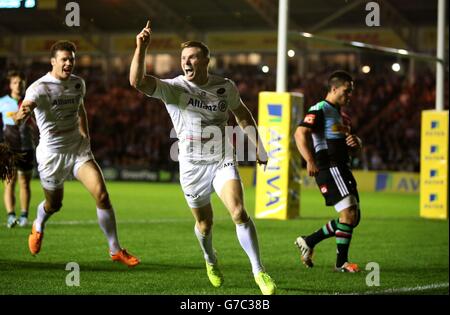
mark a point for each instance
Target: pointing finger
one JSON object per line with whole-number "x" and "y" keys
{"x": 148, "y": 24}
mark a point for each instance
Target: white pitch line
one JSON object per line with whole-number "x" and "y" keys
{"x": 143, "y": 221}
{"x": 401, "y": 290}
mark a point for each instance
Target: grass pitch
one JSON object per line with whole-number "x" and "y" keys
{"x": 155, "y": 224}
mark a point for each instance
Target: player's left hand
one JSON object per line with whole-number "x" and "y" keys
{"x": 353, "y": 141}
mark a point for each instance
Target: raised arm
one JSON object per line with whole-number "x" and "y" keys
{"x": 303, "y": 141}
{"x": 138, "y": 78}
{"x": 245, "y": 119}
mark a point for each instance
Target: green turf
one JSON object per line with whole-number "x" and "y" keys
{"x": 156, "y": 225}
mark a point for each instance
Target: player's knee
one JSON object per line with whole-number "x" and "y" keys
{"x": 238, "y": 214}
{"x": 350, "y": 217}
{"x": 205, "y": 226}
{"x": 358, "y": 218}
{"x": 53, "y": 206}
{"x": 102, "y": 199}
{"x": 353, "y": 218}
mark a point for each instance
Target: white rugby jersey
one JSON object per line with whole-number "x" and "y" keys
{"x": 199, "y": 115}
{"x": 57, "y": 111}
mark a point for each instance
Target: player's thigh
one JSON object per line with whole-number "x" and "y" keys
{"x": 232, "y": 194}
{"x": 331, "y": 186}
{"x": 53, "y": 168}
{"x": 25, "y": 178}
{"x": 228, "y": 185}
{"x": 196, "y": 183}
{"x": 90, "y": 175}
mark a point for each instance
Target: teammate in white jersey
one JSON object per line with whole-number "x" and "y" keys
{"x": 64, "y": 147}
{"x": 198, "y": 104}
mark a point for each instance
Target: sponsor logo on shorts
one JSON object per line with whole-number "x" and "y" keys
{"x": 50, "y": 181}
{"x": 323, "y": 189}
{"x": 193, "y": 196}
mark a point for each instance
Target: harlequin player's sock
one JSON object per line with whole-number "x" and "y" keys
{"x": 107, "y": 222}
{"x": 206, "y": 245}
{"x": 246, "y": 233}
{"x": 343, "y": 238}
{"x": 326, "y": 231}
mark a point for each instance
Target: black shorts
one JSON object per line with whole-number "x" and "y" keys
{"x": 336, "y": 183}
{"x": 26, "y": 161}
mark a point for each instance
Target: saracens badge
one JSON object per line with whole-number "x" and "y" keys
{"x": 222, "y": 106}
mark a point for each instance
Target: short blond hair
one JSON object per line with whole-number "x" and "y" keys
{"x": 193, "y": 43}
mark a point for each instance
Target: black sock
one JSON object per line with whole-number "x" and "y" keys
{"x": 24, "y": 214}
{"x": 12, "y": 213}
{"x": 343, "y": 238}
{"x": 326, "y": 231}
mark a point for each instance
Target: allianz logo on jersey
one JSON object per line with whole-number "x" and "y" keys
{"x": 221, "y": 106}
{"x": 65, "y": 101}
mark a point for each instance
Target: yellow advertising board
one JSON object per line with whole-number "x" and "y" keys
{"x": 278, "y": 185}
{"x": 434, "y": 165}
{"x": 368, "y": 181}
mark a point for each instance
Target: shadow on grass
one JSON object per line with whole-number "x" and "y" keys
{"x": 104, "y": 266}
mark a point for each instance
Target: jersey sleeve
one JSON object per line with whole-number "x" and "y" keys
{"x": 234, "y": 96}
{"x": 33, "y": 94}
{"x": 1, "y": 103}
{"x": 83, "y": 88}
{"x": 313, "y": 119}
{"x": 167, "y": 91}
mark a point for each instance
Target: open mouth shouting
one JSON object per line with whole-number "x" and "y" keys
{"x": 189, "y": 72}
{"x": 67, "y": 70}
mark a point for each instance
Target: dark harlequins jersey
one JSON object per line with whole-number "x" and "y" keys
{"x": 328, "y": 134}
{"x": 19, "y": 138}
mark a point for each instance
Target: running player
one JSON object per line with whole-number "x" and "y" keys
{"x": 196, "y": 102}
{"x": 64, "y": 147}
{"x": 325, "y": 142}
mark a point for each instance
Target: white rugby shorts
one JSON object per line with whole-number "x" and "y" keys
{"x": 55, "y": 168}
{"x": 198, "y": 181}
